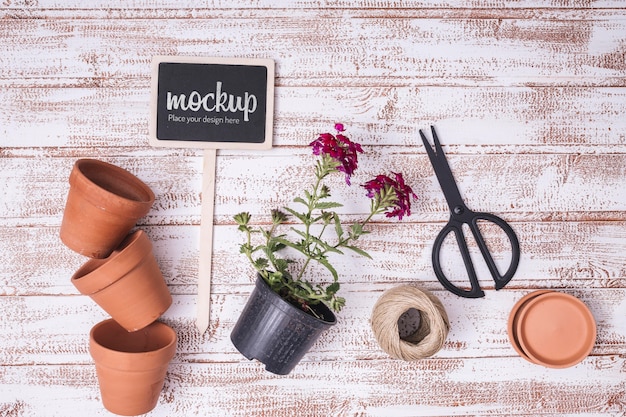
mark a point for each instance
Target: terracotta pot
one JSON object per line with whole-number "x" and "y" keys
{"x": 103, "y": 204}
{"x": 128, "y": 284}
{"x": 131, "y": 366}
{"x": 275, "y": 332}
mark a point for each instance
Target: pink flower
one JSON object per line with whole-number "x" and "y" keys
{"x": 340, "y": 148}
{"x": 391, "y": 194}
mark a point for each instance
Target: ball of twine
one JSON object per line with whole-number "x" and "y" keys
{"x": 429, "y": 336}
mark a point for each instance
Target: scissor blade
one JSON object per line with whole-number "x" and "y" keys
{"x": 429, "y": 149}
{"x": 438, "y": 152}
{"x": 443, "y": 171}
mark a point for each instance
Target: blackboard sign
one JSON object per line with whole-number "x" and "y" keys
{"x": 216, "y": 103}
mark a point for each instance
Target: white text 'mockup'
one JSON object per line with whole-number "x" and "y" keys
{"x": 218, "y": 102}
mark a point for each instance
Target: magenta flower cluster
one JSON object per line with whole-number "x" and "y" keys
{"x": 340, "y": 148}
{"x": 345, "y": 152}
{"x": 402, "y": 204}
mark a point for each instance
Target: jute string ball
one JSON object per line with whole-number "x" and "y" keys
{"x": 393, "y": 306}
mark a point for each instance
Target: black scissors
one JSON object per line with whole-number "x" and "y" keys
{"x": 460, "y": 215}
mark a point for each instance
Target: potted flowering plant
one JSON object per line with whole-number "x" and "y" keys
{"x": 287, "y": 312}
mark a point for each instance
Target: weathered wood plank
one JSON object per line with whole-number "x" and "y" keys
{"x": 372, "y": 388}
{"x": 537, "y": 186}
{"x": 55, "y": 329}
{"x": 548, "y": 10}
{"x": 564, "y": 255}
{"x": 462, "y": 51}
{"x": 187, "y": 6}
{"x": 496, "y": 119}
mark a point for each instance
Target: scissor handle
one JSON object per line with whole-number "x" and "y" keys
{"x": 456, "y": 226}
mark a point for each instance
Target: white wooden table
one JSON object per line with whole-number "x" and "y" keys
{"x": 529, "y": 98}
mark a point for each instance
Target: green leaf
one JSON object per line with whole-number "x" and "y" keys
{"x": 356, "y": 230}
{"x": 242, "y": 218}
{"x": 292, "y": 245}
{"x": 302, "y": 217}
{"x": 245, "y": 248}
{"x": 327, "y": 217}
{"x": 301, "y": 201}
{"x": 332, "y": 288}
{"x": 338, "y": 228}
{"x": 305, "y": 285}
{"x": 321, "y": 243}
{"x": 337, "y": 303}
{"x": 261, "y": 263}
{"x": 328, "y": 266}
{"x": 278, "y": 217}
{"x": 281, "y": 264}
{"x": 327, "y": 205}
{"x": 299, "y": 232}
{"x": 358, "y": 250}
{"x": 274, "y": 245}
{"x": 258, "y": 248}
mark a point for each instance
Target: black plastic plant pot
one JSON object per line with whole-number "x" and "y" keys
{"x": 275, "y": 332}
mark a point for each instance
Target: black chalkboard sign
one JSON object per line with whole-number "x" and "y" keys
{"x": 214, "y": 103}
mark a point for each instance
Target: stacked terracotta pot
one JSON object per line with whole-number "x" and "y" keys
{"x": 552, "y": 329}
{"x": 131, "y": 350}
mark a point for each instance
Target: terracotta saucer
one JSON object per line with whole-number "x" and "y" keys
{"x": 556, "y": 330}
{"x": 513, "y": 319}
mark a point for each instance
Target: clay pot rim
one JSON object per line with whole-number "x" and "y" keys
{"x": 513, "y": 318}
{"x": 589, "y": 341}
{"x": 95, "y": 274}
{"x": 95, "y": 193}
{"x": 161, "y": 356}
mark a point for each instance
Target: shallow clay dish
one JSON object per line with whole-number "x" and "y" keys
{"x": 556, "y": 330}
{"x": 513, "y": 319}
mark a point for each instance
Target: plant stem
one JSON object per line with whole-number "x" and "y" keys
{"x": 320, "y": 172}
{"x": 269, "y": 252}
{"x": 308, "y": 242}
{"x": 304, "y": 267}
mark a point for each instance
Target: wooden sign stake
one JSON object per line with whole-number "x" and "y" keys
{"x": 210, "y": 104}
{"x": 203, "y": 301}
